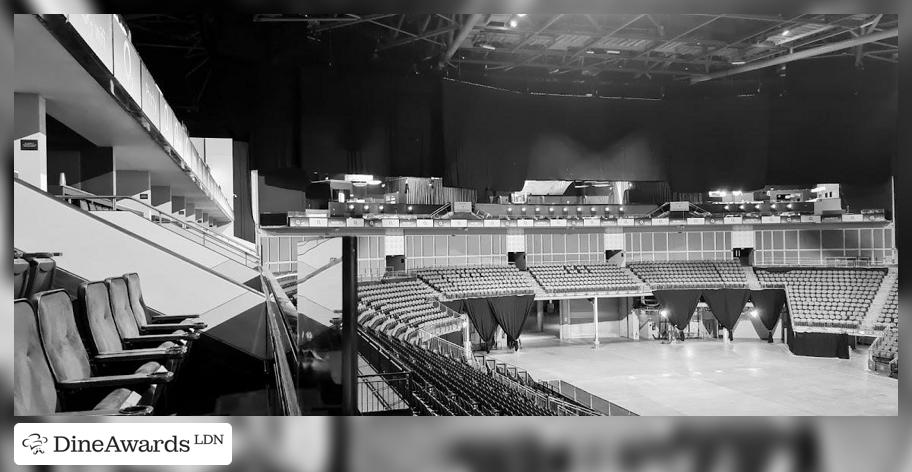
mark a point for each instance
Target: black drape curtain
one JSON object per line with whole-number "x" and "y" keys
{"x": 726, "y": 305}
{"x": 479, "y": 311}
{"x": 680, "y": 305}
{"x": 819, "y": 344}
{"x": 768, "y": 304}
{"x": 511, "y": 313}
{"x": 456, "y": 305}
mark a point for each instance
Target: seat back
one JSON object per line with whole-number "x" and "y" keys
{"x": 62, "y": 343}
{"x": 34, "y": 392}
{"x": 41, "y": 275}
{"x": 136, "y": 301}
{"x": 99, "y": 317}
{"x": 20, "y": 277}
{"x": 124, "y": 319}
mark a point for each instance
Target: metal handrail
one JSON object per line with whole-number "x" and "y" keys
{"x": 225, "y": 243}
{"x": 280, "y": 346}
{"x": 443, "y": 209}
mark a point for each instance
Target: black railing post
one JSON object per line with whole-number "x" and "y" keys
{"x": 349, "y": 325}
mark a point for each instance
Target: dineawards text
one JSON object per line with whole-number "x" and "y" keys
{"x": 115, "y": 445}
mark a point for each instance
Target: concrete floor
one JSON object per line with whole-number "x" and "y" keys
{"x": 710, "y": 378}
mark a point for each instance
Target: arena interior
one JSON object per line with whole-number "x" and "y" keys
{"x": 455, "y": 214}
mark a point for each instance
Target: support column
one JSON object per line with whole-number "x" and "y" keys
{"x": 189, "y": 211}
{"x": 349, "y": 325}
{"x": 466, "y": 338}
{"x": 179, "y": 207}
{"x": 136, "y": 184}
{"x": 30, "y": 144}
{"x": 540, "y": 315}
{"x": 161, "y": 200}
{"x": 595, "y": 319}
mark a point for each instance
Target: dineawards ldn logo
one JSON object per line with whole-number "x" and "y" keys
{"x": 122, "y": 443}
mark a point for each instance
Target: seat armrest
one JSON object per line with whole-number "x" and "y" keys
{"x": 157, "y": 339}
{"x": 165, "y": 328}
{"x": 137, "y": 410}
{"x": 141, "y": 355}
{"x": 157, "y": 315}
{"x": 117, "y": 381}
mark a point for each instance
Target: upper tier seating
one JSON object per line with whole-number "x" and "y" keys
{"x": 889, "y": 317}
{"x": 691, "y": 274}
{"x": 478, "y": 281}
{"x": 585, "y": 278}
{"x": 410, "y": 302}
{"x": 34, "y": 390}
{"x": 886, "y": 347}
{"x": 826, "y": 298}
{"x": 450, "y": 387}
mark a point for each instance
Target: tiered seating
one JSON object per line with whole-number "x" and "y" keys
{"x": 691, "y": 274}
{"x": 407, "y": 302}
{"x": 889, "y": 317}
{"x": 96, "y": 354}
{"x": 826, "y": 298}
{"x": 54, "y": 373}
{"x": 450, "y": 387}
{"x": 32, "y": 273}
{"x": 886, "y": 348}
{"x": 585, "y": 278}
{"x": 480, "y": 281}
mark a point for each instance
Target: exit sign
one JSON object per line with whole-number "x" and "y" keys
{"x": 28, "y": 145}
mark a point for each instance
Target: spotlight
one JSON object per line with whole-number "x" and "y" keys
{"x": 551, "y": 209}
{"x": 594, "y": 209}
{"x": 366, "y": 207}
{"x": 381, "y": 207}
{"x": 773, "y": 206}
{"x": 754, "y": 313}
{"x": 351, "y": 207}
{"x": 727, "y": 207}
{"x": 410, "y": 208}
{"x": 621, "y": 209}
{"x": 757, "y": 206}
{"x": 789, "y": 206}
{"x": 523, "y": 209}
{"x": 786, "y": 33}
{"x": 509, "y": 209}
{"x": 520, "y": 15}
{"x": 741, "y": 207}
{"x": 565, "y": 209}
{"x": 537, "y": 209}
{"x": 514, "y": 23}
{"x": 578, "y": 209}
{"x": 739, "y": 63}
{"x": 664, "y": 313}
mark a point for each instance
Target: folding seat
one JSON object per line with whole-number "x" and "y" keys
{"x": 20, "y": 277}
{"x": 150, "y": 315}
{"x": 69, "y": 362}
{"x": 121, "y": 308}
{"x": 104, "y": 338}
{"x": 34, "y": 392}
{"x": 41, "y": 273}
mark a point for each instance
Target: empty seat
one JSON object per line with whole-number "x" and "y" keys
{"x": 34, "y": 388}
{"x": 20, "y": 278}
{"x": 41, "y": 274}
{"x": 105, "y": 339}
{"x": 151, "y": 316}
{"x": 120, "y": 304}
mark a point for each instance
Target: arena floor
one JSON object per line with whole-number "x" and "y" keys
{"x": 710, "y": 378}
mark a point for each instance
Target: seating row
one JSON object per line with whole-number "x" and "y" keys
{"x": 408, "y": 302}
{"x": 449, "y": 387}
{"x": 585, "y": 278}
{"x": 104, "y": 353}
{"x": 886, "y": 349}
{"x": 827, "y": 298}
{"x": 477, "y": 281}
{"x": 691, "y": 274}
{"x": 889, "y": 316}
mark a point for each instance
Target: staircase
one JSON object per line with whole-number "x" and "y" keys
{"x": 540, "y": 293}
{"x": 753, "y": 282}
{"x": 880, "y": 299}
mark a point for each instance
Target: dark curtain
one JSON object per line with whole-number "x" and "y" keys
{"x": 456, "y": 305}
{"x": 455, "y": 337}
{"x": 819, "y": 344}
{"x": 479, "y": 311}
{"x": 726, "y": 305}
{"x": 680, "y": 305}
{"x": 511, "y": 313}
{"x": 768, "y": 304}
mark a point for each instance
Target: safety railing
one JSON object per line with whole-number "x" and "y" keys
{"x": 848, "y": 262}
{"x": 381, "y": 392}
{"x": 587, "y": 399}
{"x": 442, "y": 210}
{"x": 207, "y": 237}
{"x": 282, "y": 351}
